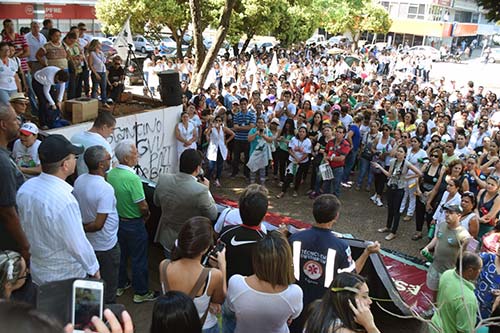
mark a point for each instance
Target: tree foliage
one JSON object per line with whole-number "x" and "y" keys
{"x": 354, "y": 17}
{"x": 153, "y": 14}
{"x": 298, "y": 23}
{"x": 492, "y": 7}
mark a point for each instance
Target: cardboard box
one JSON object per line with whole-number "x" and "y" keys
{"x": 82, "y": 109}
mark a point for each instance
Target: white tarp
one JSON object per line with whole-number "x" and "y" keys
{"x": 156, "y": 142}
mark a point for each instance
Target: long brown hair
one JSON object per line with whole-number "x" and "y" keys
{"x": 195, "y": 236}
{"x": 272, "y": 260}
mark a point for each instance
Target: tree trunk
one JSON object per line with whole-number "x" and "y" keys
{"x": 195, "y": 8}
{"x": 236, "y": 50}
{"x": 204, "y": 64}
{"x": 247, "y": 41}
{"x": 177, "y": 37}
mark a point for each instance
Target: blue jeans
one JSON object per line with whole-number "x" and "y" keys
{"x": 332, "y": 186}
{"x": 217, "y": 165}
{"x": 213, "y": 329}
{"x": 133, "y": 239}
{"x": 228, "y": 319}
{"x": 349, "y": 164}
{"x": 102, "y": 85}
{"x": 5, "y": 95}
{"x": 364, "y": 168}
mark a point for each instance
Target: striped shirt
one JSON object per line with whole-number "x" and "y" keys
{"x": 19, "y": 43}
{"x": 243, "y": 119}
{"x": 51, "y": 219}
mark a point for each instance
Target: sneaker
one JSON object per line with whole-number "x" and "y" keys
{"x": 357, "y": 188}
{"x": 217, "y": 183}
{"x": 407, "y": 218}
{"x": 280, "y": 184}
{"x": 349, "y": 182}
{"x": 295, "y": 194}
{"x": 148, "y": 297}
{"x": 390, "y": 237}
{"x": 346, "y": 185}
{"x": 379, "y": 203}
{"x": 121, "y": 291}
{"x": 374, "y": 198}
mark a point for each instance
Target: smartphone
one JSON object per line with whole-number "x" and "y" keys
{"x": 87, "y": 302}
{"x": 213, "y": 252}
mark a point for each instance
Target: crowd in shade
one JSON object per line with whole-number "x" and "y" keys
{"x": 294, "y": 122}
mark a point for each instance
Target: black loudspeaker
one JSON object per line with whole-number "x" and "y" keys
{"x": 170, "y": 88}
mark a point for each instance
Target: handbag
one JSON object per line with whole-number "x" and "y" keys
{"x": 192, "y": 294}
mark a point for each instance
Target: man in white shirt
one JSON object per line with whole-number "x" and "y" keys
{"x": 285, "y": 109}
{"x": 51, "y": 219}
{"x": 100, "y": 218}
{"x": 44, "y": 79}
{"x": 102, "y": 129}
{"x": 35, "y": 41}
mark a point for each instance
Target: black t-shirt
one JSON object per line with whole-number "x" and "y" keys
{"x": 322, "y": 255}
{"x": 240, "y": 241}
{"x": 115, "y": 73}
{"x": 12, "y": 179}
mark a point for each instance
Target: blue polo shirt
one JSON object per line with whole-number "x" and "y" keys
{"x": 243, "y": 119}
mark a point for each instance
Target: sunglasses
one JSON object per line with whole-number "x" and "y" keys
{"x": 468, "y": 194}
{"x": 435, "y": 141}
{"x": 386, "y": 129}
{"x": 434, "y": 155}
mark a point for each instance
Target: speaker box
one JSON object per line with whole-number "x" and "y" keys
{"x": 170, "y": 88}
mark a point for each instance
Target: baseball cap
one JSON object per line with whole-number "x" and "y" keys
{"x": 453, "y": 208}
{"x": 29, "y": 129}
{"x": 56, "y": 147}
{"x": 18, "y": 97}
{"x": 275, "y": 121}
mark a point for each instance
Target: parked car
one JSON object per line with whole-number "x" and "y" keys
{"x": 142, "y": 44}
{"x": 494, "y": 55}
{"x": 427, "y": 51}
{"x": 316, "y": 39}
{"x": 168, "y": 47}
{"x": 107, "y": 46}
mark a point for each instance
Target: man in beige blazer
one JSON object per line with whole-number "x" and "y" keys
{"x": 182, "y": 196}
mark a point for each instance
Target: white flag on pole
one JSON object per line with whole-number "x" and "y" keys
{"x": 274, "y": 68}
{"x": 123, "y": 40}
{"x": 252, "y": 68}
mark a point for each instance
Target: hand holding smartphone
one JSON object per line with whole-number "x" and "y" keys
{"x": 87, "y": 302}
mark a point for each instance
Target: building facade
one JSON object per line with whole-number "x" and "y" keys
{"x": 64, "y": 14}
{"x": 436, "y": 22}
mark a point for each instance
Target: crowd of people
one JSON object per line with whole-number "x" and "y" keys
{"x": 296, "y": 118}
{"x": 49, "y": 68}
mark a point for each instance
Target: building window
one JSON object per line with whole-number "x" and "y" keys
{"x": 461, "y": 16}
{"x": 416, "y": 11}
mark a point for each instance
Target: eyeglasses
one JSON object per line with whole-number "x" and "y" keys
{"x": 435, "y": 141}
{"x": 435, "y": 155}
{"x": 385, "y": 129}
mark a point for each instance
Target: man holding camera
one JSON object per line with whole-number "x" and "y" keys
{"x": 182, "y": 196}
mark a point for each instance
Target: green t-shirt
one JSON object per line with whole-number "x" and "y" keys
{"x": 128, "y": 191}
{"x": 457, "y": 310}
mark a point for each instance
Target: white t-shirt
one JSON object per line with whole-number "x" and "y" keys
{"x": 300, "y": 148}
{"x": 88, "y": 139}
{"x": 7, "y": 78}
{"x": 291, "y": 108}
{"x": 95, "y": 195}
{"x": 258, "y": 311}
{"x": 26, "y": 157}
{"x": 231, "y": 216}
{"x": 346, "y": 120}
{"x": 414, "y": 158}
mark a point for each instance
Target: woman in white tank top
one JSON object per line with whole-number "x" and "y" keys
{"x": 206, "y": 286}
